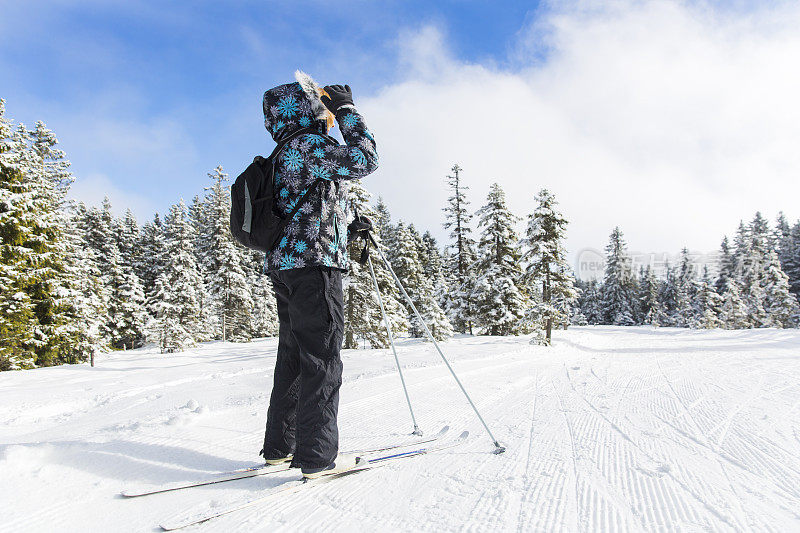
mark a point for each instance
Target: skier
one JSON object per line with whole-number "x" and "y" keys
{"x": 306, "y": 267}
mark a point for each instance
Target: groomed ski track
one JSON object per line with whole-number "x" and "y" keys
{"x": 610, "y": 429}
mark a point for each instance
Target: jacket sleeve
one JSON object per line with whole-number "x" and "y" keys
{"x": 354, "y": 159}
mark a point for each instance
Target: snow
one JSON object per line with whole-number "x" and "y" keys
{"x": 609, "y": 429}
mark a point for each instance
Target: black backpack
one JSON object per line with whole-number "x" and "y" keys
{"x": 254, "y": 222}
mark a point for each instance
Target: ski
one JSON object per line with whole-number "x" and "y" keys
{"x": 292, "y": 487}
{"x": 416, "y": 442}
{"x": 262, "y": 470}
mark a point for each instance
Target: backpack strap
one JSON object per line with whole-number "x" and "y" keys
{"x": 274, "y": 156}
{"x": 279, "y": 147}
{"x": 277, "y": 150}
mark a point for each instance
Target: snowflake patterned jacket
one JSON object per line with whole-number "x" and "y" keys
{"x": 317, "y": 234}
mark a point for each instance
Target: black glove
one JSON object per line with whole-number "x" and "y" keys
{"x": 359, "y": 227}
{"x": 339, "y": 95}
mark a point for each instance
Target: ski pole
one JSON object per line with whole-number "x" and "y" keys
{"x": 394, "y": 351}
{"x": 497, "y": 447}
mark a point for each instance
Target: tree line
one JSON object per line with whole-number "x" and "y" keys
{"x": 75, "y": 280}
{"x": 757, "y": 284}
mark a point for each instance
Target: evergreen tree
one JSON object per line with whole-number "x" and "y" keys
{"x": 633, "y": 291}
{"x": 51, "y": 164}
{"x": 463, "y": 256}
{"x": 667, "y": 295}
{"x": 683, "y": 315}
{"x": 32, "y": 272}
{"x": 781, "y": 306}
{"x": 733, "y": 314}
{"x": 363, "y": 320}
{"x": 649, "y": 303}
{"x": 17, "y": 225}
{"x": 782, "y": 237}
{"x": 760, "y": 235}
{"x": 210, "y": 318}
{"x": 176, "y": 303}
{"x": 50, "y": 171}
{"x": 225, "y": 277}
{"x": 578, "y": 318}
{"x": 431, "y": 261}
{"x": 753, "y": 263}
{"x": 264, "y": 312}
{"x": 152, "y": 259}
{"x": 706, "y": 304}
{"x": 615, "y": 293}
{"x": 409, "y": 270}
{"x": 111, "y": 254}
{"x": 499, "y": 303}
{"x": 101, "y": 234}
{"x": 46, "y": 168}
{"x": 84, "y": 317}
{"x": 128, "y": 237}
{"x": 126, "y": 313}
{"x": 382, "y": 224}
{"x": 792, "y": 268}
{"x": 741, "y": 251}
{"x": 589, "y": 301}
{"x": 727, "y": 266}
{"x": 547, "y": 263}
{"x": 433, "y": 267}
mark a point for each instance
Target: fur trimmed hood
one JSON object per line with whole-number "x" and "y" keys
{"x": 292, "y": 106}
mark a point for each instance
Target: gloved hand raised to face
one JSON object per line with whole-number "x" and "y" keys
{"x": 338, "y": 95}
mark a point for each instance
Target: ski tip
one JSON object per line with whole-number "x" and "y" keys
{"x": 464, "y": 435}
{"x": 444, "y": 430}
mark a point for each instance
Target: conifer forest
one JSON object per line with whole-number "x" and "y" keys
{"x": 75, "y": 280}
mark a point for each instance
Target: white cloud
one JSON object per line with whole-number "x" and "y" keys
{"x": 668, "y": 119}
{"x": 145, "y": 163}
{"x": 94, "y": 187}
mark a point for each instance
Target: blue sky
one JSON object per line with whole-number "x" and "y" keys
{"x": 633, "y": 112}
{"x": 189, "y": 75}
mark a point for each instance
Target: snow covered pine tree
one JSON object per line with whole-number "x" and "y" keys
{"x": 499, "y": 302}
{"x": 462, "y": 258}
{"x": 224, "y": 266}
{"x": 404, "y": 255}
{"x": 616, "y": 294}
{"x": 363, "y": 316}
{"x": 34, "y": 278}
{"x": 546, "y": 258}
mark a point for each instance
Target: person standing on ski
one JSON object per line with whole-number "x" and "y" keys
{"x": 306, "y": 266}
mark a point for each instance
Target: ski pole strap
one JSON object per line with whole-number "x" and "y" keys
{"x": 360, "y": 228}
{"x": 368, "y": 238}
{"x": 364, "y": 253}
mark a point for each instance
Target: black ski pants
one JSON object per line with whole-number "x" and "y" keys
{"x": 308, "y": 372}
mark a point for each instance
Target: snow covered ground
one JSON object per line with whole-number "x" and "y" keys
{"x": 609, "y": 429}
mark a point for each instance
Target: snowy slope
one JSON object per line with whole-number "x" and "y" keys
{"x": 609, "y": 429}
